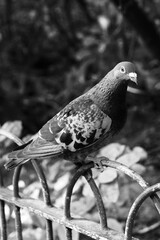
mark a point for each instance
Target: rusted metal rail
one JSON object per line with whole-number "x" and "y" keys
{"x": 51, "y": 214}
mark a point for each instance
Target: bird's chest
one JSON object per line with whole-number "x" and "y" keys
{"x": 115, "y": 107}
{"x": 118, "y": 116}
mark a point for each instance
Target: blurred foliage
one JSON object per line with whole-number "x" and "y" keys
{"x": 52, "y": 51}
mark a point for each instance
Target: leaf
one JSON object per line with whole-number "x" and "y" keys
{"x": 33, "y": 190}
{"x": 110, "y": 192}
{"x": 87, "y": 190}
{"x": 21, "y": 184}
{"x": 115, "y": 225}
{"x": 25, "y": 217}
{"x": 124, "y": 196}
{"x": 138, "y": 168}
{"x": 83, "y": 205}
{"x": 60, "y": 232}
{"x": 60, "y": 200}
{"x": 14, "y": 127}
{"x": 29, "y": 234}
{"x": 62, "y": 182}
{"x": 133, "y": 156}
{"x": 108, "y": 175}
{"x": 104, "y": 22}
{"x": 112, "y": 151}
{"x": 95, "y": 173}
{"x": 53, "y": 171}
{"x": 78, "y": 186}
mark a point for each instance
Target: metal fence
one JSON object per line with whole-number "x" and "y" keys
{"x": 51, "y": 214}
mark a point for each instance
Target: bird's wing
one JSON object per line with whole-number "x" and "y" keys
{"x": 81, "y": 124}
{"x": 42, "y": 144}
{"x": 78, "y": 125}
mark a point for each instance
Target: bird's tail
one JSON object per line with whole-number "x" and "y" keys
{"x": 22, "y": 155}
{"x": 15, "y": 159}
{"x": 15, "y": 163}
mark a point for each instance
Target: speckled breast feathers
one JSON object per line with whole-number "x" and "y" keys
{"x": 81, "y": 126}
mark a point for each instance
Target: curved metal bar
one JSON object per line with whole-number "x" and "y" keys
{"x": 80, "y": 171}
{"x": 45, "y": 190}
{"x": 99, "y": 202}
{"x": 16, "y": 176}
{"x": 18, "y": 224}
{"x": 123, "y": 168}
{"x": 135, "y": 207}
{"x": 17, "y": 171}
{"x": 120, "y": 167}
{"x": 83, "y": 171}
{"x": 67, "y": 204}
{"x": 2, "y": 214}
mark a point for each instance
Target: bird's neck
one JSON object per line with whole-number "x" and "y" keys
{"x": 110, "y": 96}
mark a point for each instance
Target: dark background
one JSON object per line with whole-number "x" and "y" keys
{"x": 52, "y": 51}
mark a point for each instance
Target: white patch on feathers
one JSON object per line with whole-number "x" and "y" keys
{"x": 83, "y": 124}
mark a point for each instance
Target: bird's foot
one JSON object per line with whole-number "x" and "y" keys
{"x": 98, "y": 165}
{"x": 97, "y": 162}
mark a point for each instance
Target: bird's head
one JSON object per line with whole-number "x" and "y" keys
{"x": 125, "y": 71}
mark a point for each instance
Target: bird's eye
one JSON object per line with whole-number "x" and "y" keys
{"x": 122, "y": 69}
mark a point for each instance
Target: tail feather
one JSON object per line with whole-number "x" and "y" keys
{"x": 32, "y": 151}
{"x": 15, "y": 163}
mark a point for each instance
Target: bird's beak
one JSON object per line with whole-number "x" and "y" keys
{"x": 133, "y": 77}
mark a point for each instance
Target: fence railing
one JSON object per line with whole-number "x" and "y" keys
{"x": 51, "y": 214}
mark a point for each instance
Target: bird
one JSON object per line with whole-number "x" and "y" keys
{"x": 83, "y": 126}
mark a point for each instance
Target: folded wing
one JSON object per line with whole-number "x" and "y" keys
{"x": 77, "y": 126}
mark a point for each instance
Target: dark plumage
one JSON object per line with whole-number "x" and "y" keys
{"x": 85, "y": 124}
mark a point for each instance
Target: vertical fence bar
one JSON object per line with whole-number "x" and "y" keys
{"x": 18, "y": 223}
{"x": 99, "y": 201}
{"x": 86, "y": 172}
{"x": 2, "y": 214}
{"x": 68, "y": 233}
{"x": 46, "y": 196}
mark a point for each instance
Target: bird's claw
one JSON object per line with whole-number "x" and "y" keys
{"x": 98, "y": 164}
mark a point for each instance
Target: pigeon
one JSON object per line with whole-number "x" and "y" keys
{"x": 85, "y": 125}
